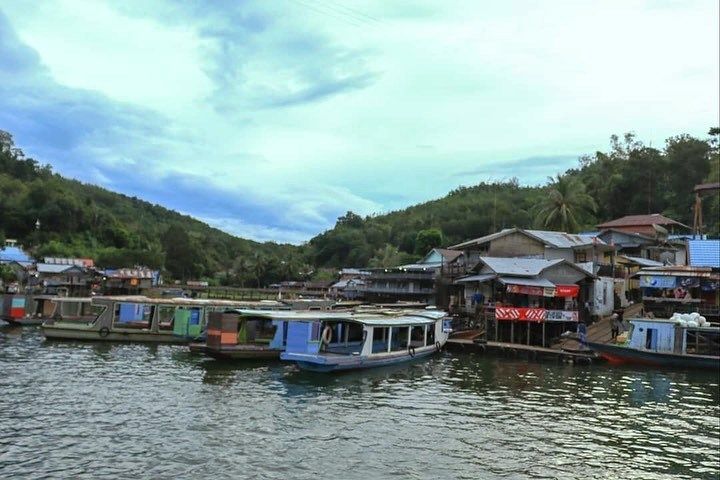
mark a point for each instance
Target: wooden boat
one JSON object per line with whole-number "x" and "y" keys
{"x": 243, "y": 335}
{"x": 143, "y": 319}
{"x": 35, "y": 309}
{"x": 334, "y": 341}
{"x": 664, "y": 343}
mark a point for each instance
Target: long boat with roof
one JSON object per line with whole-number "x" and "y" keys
{"x": 143, "y": 319}
{"x": 243, "y": 335}
{"x": 665, "y": 343}
{"x": 32, "y": 310}
{"x": 364, "y": 338}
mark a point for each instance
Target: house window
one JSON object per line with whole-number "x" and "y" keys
{"x": 580, "y": 257}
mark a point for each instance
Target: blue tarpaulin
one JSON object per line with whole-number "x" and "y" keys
{"x": 131, "y": 312}
{"x": 652, "y": 281}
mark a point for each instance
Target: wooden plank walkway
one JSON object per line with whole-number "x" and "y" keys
{"x": 517, "y": 350}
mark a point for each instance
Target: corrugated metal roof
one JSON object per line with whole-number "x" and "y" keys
{"x": 548, "y": 237}
{"x": 130, "y": 273}
{"x": 53, "y": 268}
{"x": 640, "y": 220}
{"x": 14, "y": 254}
{"x": 419, "y": 266}
{"x": 485, "y": 239}
{"x": 530, "y": 282}
{"x": 476, "y": 278}
{"x": 564, "y": 240}
{"x": 523, "y": 267}
{"x": 643, "y": 262}
{"x": 704, "y": 253}
{"x": 679, "y": 271}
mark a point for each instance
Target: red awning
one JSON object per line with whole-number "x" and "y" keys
{"x": 566, "y": 290}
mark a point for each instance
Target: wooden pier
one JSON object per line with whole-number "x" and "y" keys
{"x": 518, "y": 350}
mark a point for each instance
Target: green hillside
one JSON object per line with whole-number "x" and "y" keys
{"x": 81, "y": 220}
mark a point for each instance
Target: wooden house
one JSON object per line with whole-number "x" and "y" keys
{"x": 549, "y": 245}
{"x": 129, "y": 281}
{"x": 645, "y": 224}
{"x": 511, "y": 294}
{"x": 414, "y": 282}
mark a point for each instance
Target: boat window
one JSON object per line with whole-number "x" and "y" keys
{"x": 256, "y": 330}
{"x": 430, "y": 335}
{"x": 354, "y": 332}
{"x": 399, "y": 338}
{"x": 380, "y": 339}
{"x": 166, "y": 314}
{"x": 315, "y": 331}
{"x": 703, "y": 342}
{"x": 417, "y": 336}
{"x": 265, "y": 331}
{"x": 133, "y": 315}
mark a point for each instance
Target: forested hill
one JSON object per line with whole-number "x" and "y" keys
{"x": 80, "y": 220}
{"x": 630, "y": 178}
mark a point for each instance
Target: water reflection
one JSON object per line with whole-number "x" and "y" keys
{"x": 120, "y": 410}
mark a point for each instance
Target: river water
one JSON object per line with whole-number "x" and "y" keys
{"x": 92, "y": 410}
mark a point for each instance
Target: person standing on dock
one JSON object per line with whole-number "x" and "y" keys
{"x": 615, "y": 329}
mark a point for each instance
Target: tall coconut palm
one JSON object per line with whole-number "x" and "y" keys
{"x": 565, "y": 201}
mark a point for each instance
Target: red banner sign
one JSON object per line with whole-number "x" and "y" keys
{"x": 520, "y": 313}
{"x": 539, "y": 315}
{"x": 566, "y": 290}
{"x": 528, "y": 290}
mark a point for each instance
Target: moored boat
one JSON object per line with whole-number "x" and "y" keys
{"x": 29, "y": 310}
{"x": 664, "y": 343}
{"x": 334, "y": 341}
{"x": 243, "y": 335}
{"x": 143, "y": 319}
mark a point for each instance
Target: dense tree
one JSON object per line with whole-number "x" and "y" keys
{"x": 427, "y": 240}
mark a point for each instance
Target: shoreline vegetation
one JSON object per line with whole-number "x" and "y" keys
{"x": 82, "y": 220}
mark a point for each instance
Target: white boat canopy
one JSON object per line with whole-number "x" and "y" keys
{"x": 385, "y": 318}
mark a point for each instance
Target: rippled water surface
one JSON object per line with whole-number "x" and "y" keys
{"x": 120, "y": 411}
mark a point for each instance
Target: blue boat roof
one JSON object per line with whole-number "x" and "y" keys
{"x": 14, "y": 254}
{"x": 704, "y": 253}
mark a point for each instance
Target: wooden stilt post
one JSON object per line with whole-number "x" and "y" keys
{"x": 486, "y": 326}
{"x": 527, "y": 339}
{"x": 512, "y": 331}
{"x": 543, "y": 340}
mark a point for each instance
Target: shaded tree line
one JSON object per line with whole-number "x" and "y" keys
{"x": 630, "y": 178}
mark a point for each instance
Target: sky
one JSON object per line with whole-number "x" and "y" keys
{"x": 271, "y": 118}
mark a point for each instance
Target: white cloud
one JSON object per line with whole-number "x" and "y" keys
{"x": 89, "y": 45}
{"x": 372, "y": 106}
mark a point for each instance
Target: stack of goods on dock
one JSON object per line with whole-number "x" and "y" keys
{"x": 689, "y": 319}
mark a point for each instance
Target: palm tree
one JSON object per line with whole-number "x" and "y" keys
{"x": 565, "y": 200}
